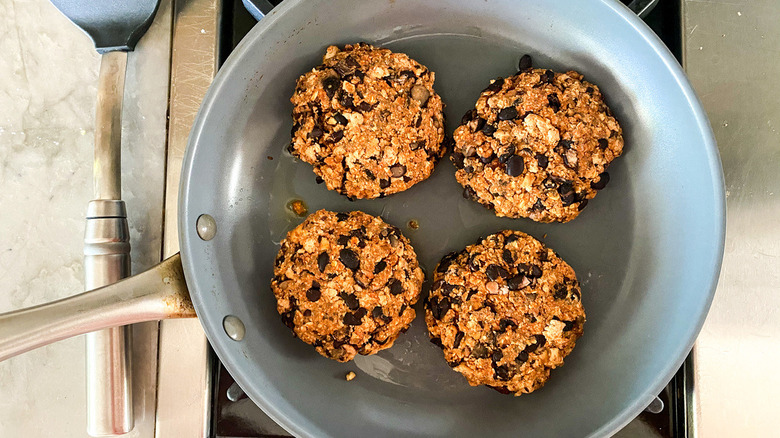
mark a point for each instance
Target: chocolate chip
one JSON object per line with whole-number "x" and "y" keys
{"x": 351, "y": 300}
{"x": 437, "y": 342}
{"x": 566, "y": 191}
{"x": 379, "y": 267}
{"x": 349, "y": 259}
{"x": 469, "y": 193}
{"x": 345, "y": 99}
{"x": 522, "y": 357}
{"x": 507, "y": 256}
{"x": 287, "y": 318}
{"x": 510, "y": 151}
{"x": 307, "y": 312}
{"x": 489, "y": 129}
{"x": 369, "y": 174}
{"x": 514, "y": 166}
{"x": 365, "y": 106}
{"x": 457, "y": 159}
{"x": 542, "y": 255}
{"x": 492, "y": 272}
{"x": 439, "y": 308}
{"x": 548, "y": 183}
{"x": 331, "y": 84}
{"x": 504, "y": 323}
{"x": 396, "y": 287}
{"x": 355, "y": 318}
{"x": 603, "y": 143}
{"x": 589, "y": 90}
{"x": 568, "y": 326}
{"x": 313, "y": 294}
{"x": 342, "y": 216}
{"x": 508, "y": 113}
{"x": 446, "y": 261}
{"x": 496, "y": 356}
{"x": 319, "y": 180}
{"x": 401, "y": 312}
{"x": 526, "y": 63}
{"x": 555, "y": 104}
{"x": 538, "y": 206}
{"x": 511, "y": 238}
{"x": 502, "y": 372}
{"x": 488, "y": 159}
{"x": 601, "y": 183}
{"x": 322, "y": 261}
{"x": 518, "y": 282}
{"x": 469, "y": 116}
{"x": 398, "y": 170}
{"x": 542, "y": 160}
{"x": 500, "y": 389}
{"x": 340, "y": 119}
{"x": 420, "y": 94}
{"x": 458, "y": 339}
{"x": 336, "y": 136}
{"x": 540, "y": 340}
{"x": 377, "y": 312}
{"x": 560, "y": 293}
{"x": 316, "y": 132}
{"x": 582, "y": 205}
{"x": 547, "y": 77}
{"x": 384, "y": 183}
{"x": 343, "y": 240}
{"x": 494, "y": 86}
{"x": 535, "y": 271}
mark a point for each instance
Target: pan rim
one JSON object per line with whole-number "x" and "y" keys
{"x": 654, "y": 45}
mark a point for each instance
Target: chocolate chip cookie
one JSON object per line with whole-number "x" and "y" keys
{"x": 368, "y": 120}
{"x": 506, "y": 311}
{"x": 346, "y": 283}
{"x": 536, "y": 145}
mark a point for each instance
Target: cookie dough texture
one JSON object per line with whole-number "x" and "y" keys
{"x": 368, "y": 120}
{"x": 346, "y": 283}
{"x": 505, "y": 311}
{"x": 537, "y": 145}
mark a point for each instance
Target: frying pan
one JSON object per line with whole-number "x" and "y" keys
{"x": 647, "y": 250}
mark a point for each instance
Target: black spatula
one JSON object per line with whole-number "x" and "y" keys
{"x": 115, "y": 26}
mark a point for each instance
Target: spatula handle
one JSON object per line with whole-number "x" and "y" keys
{"x": 107, "y": 260}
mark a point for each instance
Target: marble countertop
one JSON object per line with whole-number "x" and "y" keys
{"x": 48, "y": 78}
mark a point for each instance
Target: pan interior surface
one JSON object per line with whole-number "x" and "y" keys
{"x": 646, "y": 250}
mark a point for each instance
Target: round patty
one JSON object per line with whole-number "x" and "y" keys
{"x": 368, "y": 120}
{"x": 505, "y": 311}
{"x": 346, "y": 283}
{"x": 537, "y": 145}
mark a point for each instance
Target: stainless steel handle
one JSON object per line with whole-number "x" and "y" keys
{"x": 158, "y": 293}
{"x": 107, "y": 260}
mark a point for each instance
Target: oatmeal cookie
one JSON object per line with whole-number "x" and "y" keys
{"x": 505, "y": 311}
{"x": 346, "y": 283}
{"x": 368, "y": 120}
{"x": 536, "y": 145}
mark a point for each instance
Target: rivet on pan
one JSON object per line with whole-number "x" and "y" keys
{"x": 235, "y": 393}
{"x": 234, "y": 327}
{"x": 207, "y": 227}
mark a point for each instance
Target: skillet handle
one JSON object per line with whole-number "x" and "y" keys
{"x": 640, "y": 7}
{"x": 158, "y": 293}
{"x": 258, "y": 8}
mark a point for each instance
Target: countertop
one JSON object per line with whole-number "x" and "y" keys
{"x": 48, "y": 73}
{"x": 48, "y": 78}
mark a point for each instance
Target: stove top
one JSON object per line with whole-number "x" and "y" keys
{"x": 233, "y": 414}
